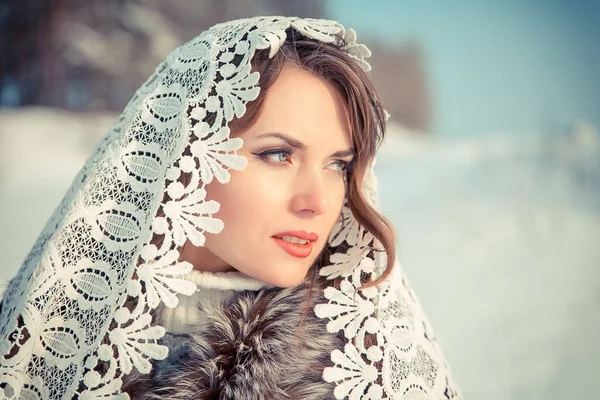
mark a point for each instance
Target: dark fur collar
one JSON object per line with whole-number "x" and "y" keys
{"x": 256, "y": 346}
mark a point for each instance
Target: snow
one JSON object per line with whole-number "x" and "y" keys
{"x": 499, "y": 235}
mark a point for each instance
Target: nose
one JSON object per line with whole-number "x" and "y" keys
{"x": 310, "y": 197}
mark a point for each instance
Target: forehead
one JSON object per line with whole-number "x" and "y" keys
{"x": 305, "y": 106}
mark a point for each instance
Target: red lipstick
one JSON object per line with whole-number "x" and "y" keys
{"x": 296, "y": 243}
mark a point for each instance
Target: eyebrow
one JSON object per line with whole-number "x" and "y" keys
{"x": 296, "y": 144}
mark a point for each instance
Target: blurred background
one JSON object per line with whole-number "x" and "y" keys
{"x": 490, "y": 171}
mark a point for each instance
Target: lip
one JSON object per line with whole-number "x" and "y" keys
{"x": 297, "y": 249}
{"x": 313, "y": 237}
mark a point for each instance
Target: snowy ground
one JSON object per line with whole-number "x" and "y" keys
{"x": 499, "y": 236}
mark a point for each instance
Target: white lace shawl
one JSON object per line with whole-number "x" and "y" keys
{"x": 64, "y": 328}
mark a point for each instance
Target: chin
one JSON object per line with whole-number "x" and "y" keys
{"x": 286, "y": 280}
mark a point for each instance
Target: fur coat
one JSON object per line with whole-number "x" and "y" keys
{"x": 258, "y": 345}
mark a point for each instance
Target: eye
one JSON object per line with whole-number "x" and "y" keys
{"x": 276, "y": 155}
{"x": 339, "y": 165}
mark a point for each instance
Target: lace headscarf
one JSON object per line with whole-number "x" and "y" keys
{"x": 64, "y": 328}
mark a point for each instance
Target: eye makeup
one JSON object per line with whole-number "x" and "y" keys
{"x": 280, "y": 156}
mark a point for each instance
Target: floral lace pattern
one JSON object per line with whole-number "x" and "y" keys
{"x": 76, "y": 318}
{"x": 402, "y": 360}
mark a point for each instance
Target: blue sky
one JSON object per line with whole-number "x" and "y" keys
{"x": 495, "y": 66}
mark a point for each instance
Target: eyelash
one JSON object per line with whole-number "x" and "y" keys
{"x": 266, "y": 156}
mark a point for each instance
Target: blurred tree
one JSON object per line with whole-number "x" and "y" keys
{"x": 92, "y": 55}
{"x": 26, "y": 49}
{"x": 399, "y": 75}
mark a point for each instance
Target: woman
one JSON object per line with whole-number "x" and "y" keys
{"x": 223, "y": 240}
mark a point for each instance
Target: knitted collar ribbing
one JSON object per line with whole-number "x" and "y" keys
{"x": 230, "y": 280}
{"x": 64, "y": 328}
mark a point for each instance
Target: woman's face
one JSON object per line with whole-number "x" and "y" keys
{"x": 292, "y": 189}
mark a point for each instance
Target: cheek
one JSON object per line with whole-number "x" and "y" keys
{"x": 335, "y": 215}
{"x": 338, "y": 198}
{"x": 337, "y": 206}
{"x": 232, "y": 202}
{"x": 249, "y": 198}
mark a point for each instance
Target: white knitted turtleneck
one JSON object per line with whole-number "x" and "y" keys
{"x": 213, "y": 288}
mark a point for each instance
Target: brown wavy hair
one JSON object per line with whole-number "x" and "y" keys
{"x": 366, "y": 115}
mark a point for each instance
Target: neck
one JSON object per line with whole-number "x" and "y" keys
{"x": 203, "y": 259}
